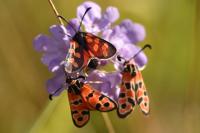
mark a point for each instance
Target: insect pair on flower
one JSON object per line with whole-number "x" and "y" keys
{"x": 94, "y": 89}
{"x": 85, "y": 51}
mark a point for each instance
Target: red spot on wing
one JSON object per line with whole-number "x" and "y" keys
{"x": 96, "y": 99}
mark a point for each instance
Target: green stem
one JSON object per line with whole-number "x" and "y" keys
{"x": 108, "y": 123}
{"x": 55, "y": 11}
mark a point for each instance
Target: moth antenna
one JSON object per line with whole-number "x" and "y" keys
{"x": 83, "y": 17}
{"x": 143, "y": 48}
{"x": 67, "y": 23}
{"x": 51, "y": 95}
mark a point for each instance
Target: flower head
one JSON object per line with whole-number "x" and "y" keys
{"x": 94, "y": 20}
{"x": 124, "y": 37}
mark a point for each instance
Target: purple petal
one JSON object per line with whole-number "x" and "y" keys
{"x": 111, "y": 15}
{"x": 40, "y": 42}
{"x": 141, "y": 59}
{"x": 72, "y": 28}
{"x": 55, "y": 64}
{"x": 43, "y": 43}
{"x": 48, "y": 57}
{"x": 106, "y": 34}
{"x": 54, "y": 49}
{"x": 59, "y": 32}
{"x": 92, "y": 18}
{"x": 108, "y": 82}
{"x": 133, "y": 32}
{"x": 114, "y": 36}
{"x": 92, "y": 15}
{"x": 114, "y": 78}
{"x": 128, "y": 52}
{"x": 55, "y": 83}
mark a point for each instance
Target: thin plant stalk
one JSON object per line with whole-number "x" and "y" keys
{"x": 55, "y": 11}
{"x": 108, "y": 123}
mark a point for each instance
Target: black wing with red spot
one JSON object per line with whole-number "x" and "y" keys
{"x": 99, "y": 47}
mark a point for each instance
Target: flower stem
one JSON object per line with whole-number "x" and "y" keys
{"x": 108, "y": 123}
{"x": 55, "y": 11}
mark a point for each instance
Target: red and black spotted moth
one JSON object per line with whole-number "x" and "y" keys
{"x": 84, "y": 46}
{"x": 132, "y": 89}
{"x": 83, "y": 99}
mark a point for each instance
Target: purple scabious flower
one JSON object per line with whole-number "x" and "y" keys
{"x": 124, "y": 37}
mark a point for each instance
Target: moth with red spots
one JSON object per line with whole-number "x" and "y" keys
{"x": 132, "y": 89}
{"x": 84, "y": 46}
{"x": 83, "y": 99}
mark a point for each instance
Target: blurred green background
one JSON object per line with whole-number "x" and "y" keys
{"x": 172, "y": 74}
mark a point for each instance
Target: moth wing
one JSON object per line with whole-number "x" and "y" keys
{"x": 126, "y": 100}
{"x": 141, "y": 92}
{"x": 79, "y": 109}
{"x": 76, "y": 58}
{"x": 99, "y": 47}
{"x": 96, "y": 99}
